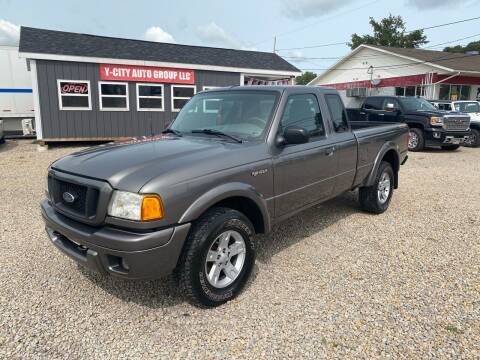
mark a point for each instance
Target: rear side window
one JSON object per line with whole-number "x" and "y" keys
{"x": 303, "y": 111}
{"x": 373, "y": 103}
{"x": 337, "y": 111}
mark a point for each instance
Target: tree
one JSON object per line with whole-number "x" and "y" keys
{"x": 473, "y": 46}
{"x": 305, "y": 78}
{"x": 390, "y": 31}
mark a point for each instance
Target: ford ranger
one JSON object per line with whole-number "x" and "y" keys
{"x": 234, "y": 163}
{"x": 428, "y": 126}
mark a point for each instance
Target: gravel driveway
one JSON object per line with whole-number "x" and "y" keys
{"x": 331, "y": 282}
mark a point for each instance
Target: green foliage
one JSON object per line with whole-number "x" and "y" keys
{"x": 305, "y": 78}
{"x": 473, "y": 46}
{"x": 390, "y": 31}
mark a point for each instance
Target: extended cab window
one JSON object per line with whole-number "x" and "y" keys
{"x": 337, "y": 111}
{"x": 373, "y": 103}
{"x": 303, "y": 111}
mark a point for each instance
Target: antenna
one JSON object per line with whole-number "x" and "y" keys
{"x": 274, "y": 44}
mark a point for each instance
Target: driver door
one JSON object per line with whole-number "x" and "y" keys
{"x": 303, "y": 173}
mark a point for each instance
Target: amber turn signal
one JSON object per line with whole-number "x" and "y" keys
{"x": 152, "y": 208}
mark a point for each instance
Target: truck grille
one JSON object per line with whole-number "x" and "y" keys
{"x": 83, "y": 199}
{"x": 456, "y": 123}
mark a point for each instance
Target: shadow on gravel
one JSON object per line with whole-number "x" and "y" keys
{"x": 164, "y": 292}
{"x": 305, "y": 224}
{"x": 153, "y": 294}
{"x": 8, "y": 145}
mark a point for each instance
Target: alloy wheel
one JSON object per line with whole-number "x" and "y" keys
{"x": 225, "y": 259}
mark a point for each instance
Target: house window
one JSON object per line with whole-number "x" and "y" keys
{"x": 180, "y": 95}
{"x": 74, "y": 95}
{"x": 149, "y": 97}
{"x": 113, "y": 96}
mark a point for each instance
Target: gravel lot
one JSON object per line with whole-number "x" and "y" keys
{"x": 331, "y": 282}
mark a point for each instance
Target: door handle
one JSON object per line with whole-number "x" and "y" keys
{"x": 330, "y": 151}
{"x": 381, "y": 114}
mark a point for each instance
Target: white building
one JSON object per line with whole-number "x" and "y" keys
{"x": 379, "y": 70}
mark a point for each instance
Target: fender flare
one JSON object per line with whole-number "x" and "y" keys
{"x": 383, "y": 150}
{"x": 222, "y": 192}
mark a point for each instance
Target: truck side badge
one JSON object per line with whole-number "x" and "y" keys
{"x": 259, "y": 172}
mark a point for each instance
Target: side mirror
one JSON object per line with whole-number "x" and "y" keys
{"x": 293, "y": 135}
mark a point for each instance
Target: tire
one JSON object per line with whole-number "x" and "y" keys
{"x": 416, "y": 141}
{"x": 370, "y": 199}
{"x": 474, "y": 140}
{"x": 450, "y": 147}
{"x": 194, "y": 266}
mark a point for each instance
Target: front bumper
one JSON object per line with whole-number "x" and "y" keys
{"x": 114, "y": 251}
{"x": 438, "y": 137}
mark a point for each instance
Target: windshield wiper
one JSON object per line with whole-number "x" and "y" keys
{"x": 216, "y": 132}
{"x": 172, "y": 131}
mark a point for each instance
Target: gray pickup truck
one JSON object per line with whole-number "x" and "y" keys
{"x": 235, "y": 162}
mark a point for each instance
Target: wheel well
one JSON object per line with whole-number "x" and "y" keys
{"x": 415, "y": 125}
{"x": 248, "y": 208}
{"x": 392, "y": 158}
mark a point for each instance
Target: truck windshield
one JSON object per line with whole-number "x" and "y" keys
{"x": 416, "y": 104}
{"x": 242, "y": 114}
{"x": 468, "y": 107}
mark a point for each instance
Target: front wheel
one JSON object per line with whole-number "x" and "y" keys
{"x": 376, "y": 198}
{"x": 218, "y": 257}
{"x": 416, "y": 140}
{"x": 450, "y": 147}
{"x": 474, "y": 139}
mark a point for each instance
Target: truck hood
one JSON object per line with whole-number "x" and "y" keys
{"x": 131, "y": 164}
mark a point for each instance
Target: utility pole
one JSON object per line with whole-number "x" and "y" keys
{"x": 370, "y": 71}
{"x": 274, "y": 44}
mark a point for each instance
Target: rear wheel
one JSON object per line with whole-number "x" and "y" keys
{"x": 416, "y": 141}
{"x": 450, "y": 147}
{"x": 474, "y": 139}
{"x": 376, "y": 198}
{"x": 218, "y": 258}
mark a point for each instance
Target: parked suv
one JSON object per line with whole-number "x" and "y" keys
{"x": 428, "y": 126}
{"x": 471, "y": 108}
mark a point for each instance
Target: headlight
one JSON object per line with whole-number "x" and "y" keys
{"x": 131, "y": 206}
{"x": 435, "y": 120}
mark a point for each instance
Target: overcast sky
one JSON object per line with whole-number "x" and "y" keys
{"x": 246, "y": 24}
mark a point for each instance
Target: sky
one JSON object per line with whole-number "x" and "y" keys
{"x": 246, "y": 24}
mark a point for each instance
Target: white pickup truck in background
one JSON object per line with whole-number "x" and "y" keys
{"x": 16, "y": 99}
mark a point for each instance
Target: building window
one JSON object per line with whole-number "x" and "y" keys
{"x": 454, "y": 92}
{"x": 180, "y": 95}
{"x": 410, "y": 91}
{"x": 74, "y": 95}
{"x": 400, "y": 91}
{"x": 149, "y": 97}
{"x": 113, "y": 96}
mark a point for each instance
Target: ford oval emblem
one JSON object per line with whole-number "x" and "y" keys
{"x": 68, "y": 197}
